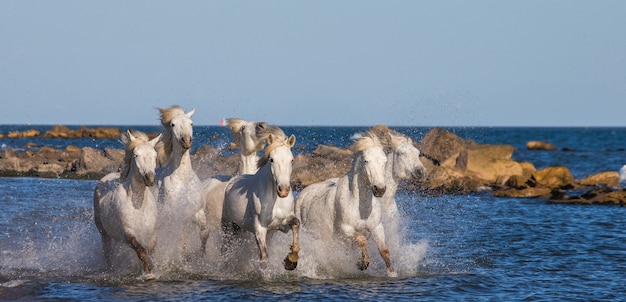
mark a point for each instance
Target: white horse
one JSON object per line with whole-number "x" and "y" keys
{"x": 124, "y": 207}
{"x": 403, "y": 163}
{"x": 250, "y": 138}
{"x": 263, "y": 202}
{"x": 178, "y": 184}
{"x": 350, "y": 206}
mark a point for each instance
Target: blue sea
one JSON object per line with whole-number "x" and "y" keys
{"x": 452, "y": 247}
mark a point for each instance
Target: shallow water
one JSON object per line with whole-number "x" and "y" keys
{"x": 452, "y": 248}
{"x": 471, "y": 247}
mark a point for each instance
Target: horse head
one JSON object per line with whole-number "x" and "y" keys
{"x": 280, "y": 158}
{"x": 371, "y": 159}
{"x": 406, "y": 161}
{"x": 245, "y": 135}
{"x": 178, "y": 127}
{"x": 144, "y": 156}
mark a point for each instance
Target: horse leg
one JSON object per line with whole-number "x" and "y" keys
{"x": 379, "y": 234}
{"x": 142, "y": 254}
{"x": 260, "y": 234}
{"x": 107, "y": 249}
{"x": 291, "y": 261}
{"x": 200, "y": 219}
{"x": 364, "y": 262}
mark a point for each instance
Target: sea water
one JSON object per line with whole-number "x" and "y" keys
{"x": 453, "y": 247}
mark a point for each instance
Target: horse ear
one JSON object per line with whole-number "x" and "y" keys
{"x": 292, "y": 140}
{"x": 270, "y": 139}
{"x": 155, "y": 140}
{"x": 130, "y": 136}
{"x": 190, "y": 113}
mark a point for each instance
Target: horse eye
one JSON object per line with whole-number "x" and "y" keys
{"x": 172, "y": 125}
{"x": 271, "y": 160}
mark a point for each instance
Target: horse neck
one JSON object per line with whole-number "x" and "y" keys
{"x": 359, "y": 183}
{"x": 135, "y": 187}
{"x": 181, "y": 159}
{"x": 390, "y": 178}
{"x": 265, "y": 182}
{"x": 248, "y": 163}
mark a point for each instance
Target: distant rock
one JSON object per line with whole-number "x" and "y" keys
{"x": 539, "y": 145}
{"x": 608, "y": 178}
{"x": 596, "y": 196}
{"x": 554, "y": 177}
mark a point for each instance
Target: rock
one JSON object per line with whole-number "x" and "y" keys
{"x": 597, "y": 196}
{"x": 439, "y": 144}
{"x": 487, "y": 162}
{"x": 94, "y": 161}
{"x": 539, "y": 145}
{"x": 554, "y": 177}
{"x": 60, "y": 131}
{"x": 523, "y": 193}
{"x": 309, "y": 169}
{"x": 23, "y": 134}
{"x": 332, "y": 152}
{"x": 453, "y": 180}
{"x": 608, "y": 178}
{"x": 49, "y": 170}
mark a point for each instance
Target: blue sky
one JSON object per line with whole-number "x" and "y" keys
{"x": 399, "y": 63}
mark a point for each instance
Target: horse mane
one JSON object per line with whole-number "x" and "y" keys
{"x": 264, "y": 130}
{"x": 393, "y": 140}
{"x": 364, "y": 141}
{"x": 164, "y": 147}
{"x": 129, "y": 146}
{"x": 235, "y": 124}
{"x": 277, "y": 142}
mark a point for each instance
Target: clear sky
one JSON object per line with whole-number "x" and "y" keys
{"x": 335, "y": 63}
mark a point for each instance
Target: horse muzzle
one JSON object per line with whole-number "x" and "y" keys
{"x": 283, "y": 191}
{"x": 420, "y": 174}
{"x": 149, "y": 178}
{"x": 185, "y": 142}
{"x": 378, "y": 191}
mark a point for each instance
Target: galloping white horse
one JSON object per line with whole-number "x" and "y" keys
{"x": 178, "y": 184}
{"x": 124, "y": 207}
{"x": 351, "y": 206}
{"x": 402, "y": 163}
{"x": 263, "y": 202}
{"x": 250, "y": 138}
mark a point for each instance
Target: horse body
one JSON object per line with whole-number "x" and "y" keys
{"x": 350, "y": 206}
{"x": 178, "y": 185}
{"x": 403, "y": 163}
{"x": 263, "y": 202}
{"x": 250, "y": 138}
{"x": 125, "y": 207}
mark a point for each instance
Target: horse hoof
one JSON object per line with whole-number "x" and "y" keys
{"x": 148, "y": 277}
{"x": 289, "y": 265}
{"x": 362, "y": 265}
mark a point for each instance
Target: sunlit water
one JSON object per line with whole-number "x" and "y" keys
{"x": 471, "y": 247}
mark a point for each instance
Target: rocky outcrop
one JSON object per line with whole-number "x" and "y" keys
{"x": 539, "y": 145}
{"x": 607, "y": 178}
{"x": 60, "y": 131}
{"x": 595, "y": 196}
{"x": 454, "y": 166}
